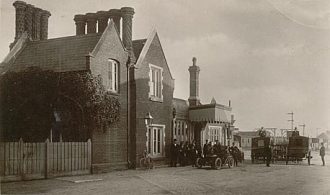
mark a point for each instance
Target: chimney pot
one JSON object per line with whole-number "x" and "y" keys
{"x": 115, "y": 16}
{"x": 127, "y": 15}
{"x": 20, "y": 18}
{"x": 80, "y": 21}
{"x": 194, "y": 84}
{"x": 36, "y": 24}
{"x": 91, "y": 19}
{"x": 29, "y": 19}
{"x": 44, "y": 24}
{"x": 102, "y": 17}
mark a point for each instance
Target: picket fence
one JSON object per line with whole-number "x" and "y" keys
{"x": 26, "y": 161}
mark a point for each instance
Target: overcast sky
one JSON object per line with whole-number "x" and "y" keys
{"x": 268, "y": 57}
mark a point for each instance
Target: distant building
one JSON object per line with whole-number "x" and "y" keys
{"x": 246, "y": 138}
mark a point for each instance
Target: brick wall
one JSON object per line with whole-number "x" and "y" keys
{"x": 109, "y": 145}
{"x": 160, "y": 111}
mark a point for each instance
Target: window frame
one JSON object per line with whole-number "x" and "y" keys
{"x": 155, "y": 83}
{"x": 112, "y": 83}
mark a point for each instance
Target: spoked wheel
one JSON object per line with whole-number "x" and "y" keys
{"x": 217, "y": 163}
{"x": 143, "y": 163}
{"x": 230, "y": 162}
{"x": 199, "y": 163}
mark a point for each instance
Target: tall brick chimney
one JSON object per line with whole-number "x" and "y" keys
{"x": 102, "y": 19}
{"x": 32, "y": 20}
{"x": 80, "y": 21}
{"x": 20, "y": 18}
{"x": 44, "y": 24}
{"x": 194, "y": 84}
{"x": 127, "y": 15}
{"x": 29, "y": 19}
{"x": 115, "y": 15}
{"x": 36, "y": 24}
{"x": 91, "y": 19}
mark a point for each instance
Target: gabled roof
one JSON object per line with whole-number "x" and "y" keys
{"x": 59, "y": 54}
{"x": 142, "y": 54}
{"x": 138, "y": 46}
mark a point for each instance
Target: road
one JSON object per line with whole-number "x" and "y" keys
{"x": 245, "y": 179}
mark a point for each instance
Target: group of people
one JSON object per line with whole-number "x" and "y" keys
{"x": 186, "y": 153}
{"x": 223, "y": 151}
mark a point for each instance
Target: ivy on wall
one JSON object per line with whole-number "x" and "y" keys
{"x": 28, "y": 100}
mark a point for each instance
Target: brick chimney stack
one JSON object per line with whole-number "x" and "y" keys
{"x": 194, "y": 84}
{"x": 29, "y": 19}
{"x": 127, "y": 15}
{"x": 32, "y": 20}
{"x": 102, "y": 18}
{"x": 115, "y": 15}
{"x": 44, "y": 24}
{"x": 91, "y": 19}
{"x": 36, "y": 24}
{"x": 20, "y": 7}
{"x": 80, "y": 21}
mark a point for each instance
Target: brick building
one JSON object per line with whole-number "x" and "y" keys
{"x": 135, "y": 71}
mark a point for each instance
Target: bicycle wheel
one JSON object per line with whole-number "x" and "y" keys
{"x": 143, "y": 163}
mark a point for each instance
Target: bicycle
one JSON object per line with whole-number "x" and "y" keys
{"x": 146, "y": 161}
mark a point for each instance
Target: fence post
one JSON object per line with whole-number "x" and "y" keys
{"x": 89, "y": 154}
{"x": 22, "y": 163}
{"x": 46, "y": 158}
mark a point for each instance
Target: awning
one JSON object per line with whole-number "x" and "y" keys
{"x": 210, "y": 113}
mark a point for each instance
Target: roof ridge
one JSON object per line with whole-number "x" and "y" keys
{"x": 67, "y": 37}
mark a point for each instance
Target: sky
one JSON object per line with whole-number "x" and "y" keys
{"x": 269, "y": 57}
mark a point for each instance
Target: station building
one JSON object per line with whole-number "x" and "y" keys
{"x": 134, "y": 71}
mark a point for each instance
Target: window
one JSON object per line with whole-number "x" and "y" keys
{"x": 112, "y": 84}
{"x": 214, "y": 133}
{"x": 180, "y": 131}
{"x": 156, "y": 139}
{"x": 155, "y": 83}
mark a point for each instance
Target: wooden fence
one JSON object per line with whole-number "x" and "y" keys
{"x": 24, "y": 161}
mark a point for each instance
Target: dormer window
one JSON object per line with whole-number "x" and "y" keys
{"x": 155, "y": 83}
{"x": 112, "y": 76}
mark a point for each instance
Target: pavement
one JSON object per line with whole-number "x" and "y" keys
{"x": 245, "y": 179}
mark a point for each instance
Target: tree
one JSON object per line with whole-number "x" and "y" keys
{"x": 28, "y": 100}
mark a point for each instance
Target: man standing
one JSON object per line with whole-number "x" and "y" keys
{"x": 268, "y": 152}
{"x": 205, "y": 148}
{"x": 174, "y": 153}
{"x": 322, "y": 153}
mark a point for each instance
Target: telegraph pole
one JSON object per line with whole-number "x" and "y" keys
{"x": 303, "y": 125}
{"x": 291, "y": 113}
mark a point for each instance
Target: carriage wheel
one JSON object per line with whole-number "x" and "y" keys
{"x": 199, "y": 163}
{"x": 217, "y": 163}
{"x": 230, "y": 162}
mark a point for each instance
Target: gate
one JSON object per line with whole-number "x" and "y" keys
{"x": 25, "y": 161}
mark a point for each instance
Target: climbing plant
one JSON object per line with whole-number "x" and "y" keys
{"x": 29, "y": 98}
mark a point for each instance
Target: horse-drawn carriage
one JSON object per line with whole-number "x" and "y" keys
{"x": 215, "y": 159}
{"x": 298, "y": 149}
{"x": 258, "y": 148}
